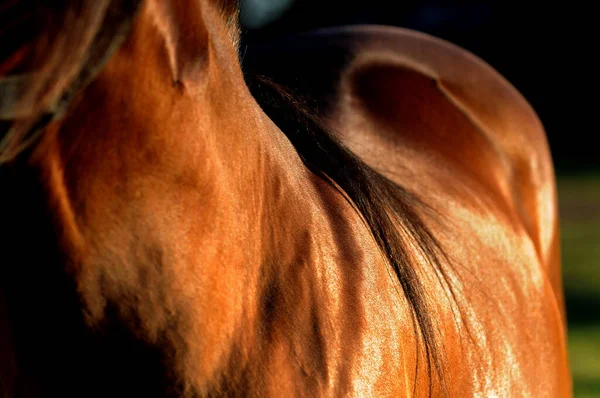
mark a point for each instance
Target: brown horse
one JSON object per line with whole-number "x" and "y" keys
{"x": 176, "y": 224}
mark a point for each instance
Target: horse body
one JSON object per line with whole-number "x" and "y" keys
{"x": 437, "y": 120}
{"x": 182, "y": 247}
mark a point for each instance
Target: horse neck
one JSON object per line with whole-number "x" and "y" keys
{"x": 177, "y": 111}
{"x": 174, "y": 197}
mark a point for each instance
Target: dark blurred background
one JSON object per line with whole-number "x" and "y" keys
{"x": 547, "y": 50}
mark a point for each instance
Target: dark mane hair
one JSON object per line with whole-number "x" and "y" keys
{"x": 56, "y": 49}
{"x": 390, "y": 211}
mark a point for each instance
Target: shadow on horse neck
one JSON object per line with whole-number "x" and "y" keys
{"x": 173, "y": 232}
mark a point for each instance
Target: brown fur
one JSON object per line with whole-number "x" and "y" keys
{"x": 178, "y": 244}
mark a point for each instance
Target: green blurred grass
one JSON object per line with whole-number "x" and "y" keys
{"x": 579, "y": 202}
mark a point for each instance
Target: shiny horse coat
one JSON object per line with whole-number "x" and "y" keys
{"x": 169, "y": 237}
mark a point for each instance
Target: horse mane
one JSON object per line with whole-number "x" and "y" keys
{"x": 390, "y": 211}
{"x": 56, "y": 49}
